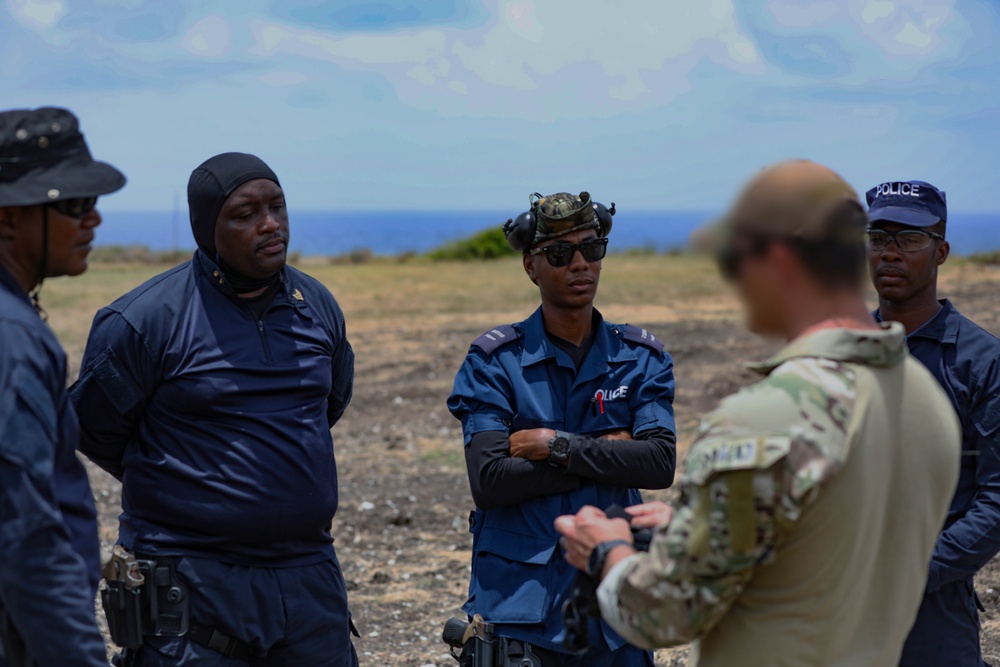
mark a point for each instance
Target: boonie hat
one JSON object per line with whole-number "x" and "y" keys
{"x": 793, "y": 199}
{"x": 913, "y": 203}
{"x": 44, "y": 158}
{"x": 562, "y": 213}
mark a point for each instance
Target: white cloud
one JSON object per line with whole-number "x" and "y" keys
{"x": 37, "y": 14}
{"x": 210, "y": 37}
{"x": 624, "y": 40}
{"x": 618, "y": 51}
{"x": 906, "y": 27}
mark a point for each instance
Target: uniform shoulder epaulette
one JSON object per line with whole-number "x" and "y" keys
{"x": 494, "y": 339}
{"x": 640, "y": 336}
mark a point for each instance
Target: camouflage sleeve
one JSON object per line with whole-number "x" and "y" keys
{"x": 757, "y": 463}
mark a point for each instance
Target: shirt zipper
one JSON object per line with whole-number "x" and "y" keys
{"x": 263, "y": 340}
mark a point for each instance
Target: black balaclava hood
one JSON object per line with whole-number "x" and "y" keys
{"x": 210, "y": 186}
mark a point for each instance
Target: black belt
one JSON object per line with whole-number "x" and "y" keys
{"x": 215, "y": 639}
{"x": 205, "y": 635}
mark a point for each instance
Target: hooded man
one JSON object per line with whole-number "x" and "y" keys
{"x": 49, "y": 552}
{"x": 210, "y": 392}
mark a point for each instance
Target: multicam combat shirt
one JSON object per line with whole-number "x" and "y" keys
{"x": 809, "y": 505}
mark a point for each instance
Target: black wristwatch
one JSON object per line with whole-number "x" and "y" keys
{"x": 559, "y": 449}
{"x": 595, "y": 565}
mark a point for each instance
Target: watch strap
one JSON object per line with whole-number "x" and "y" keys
{"x": 600, "y": 555}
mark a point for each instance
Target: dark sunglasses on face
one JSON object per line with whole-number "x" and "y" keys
{"x": 561, "y": 254}
{"x": 907, "y": 240}
{"x": 75, "y": 208}
{"x": 730, "y": 256}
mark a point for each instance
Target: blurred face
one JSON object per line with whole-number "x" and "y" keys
{"x": 251, "y": 232}
{"x": 567, "y": 287}
{"x": 900, "y": 275}
{"x": 758, "y": 278}
{"x": 70, "y": 238}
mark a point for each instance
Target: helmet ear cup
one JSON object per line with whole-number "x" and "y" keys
{"x": 520, "y": 231}
{"x": 605, "y": 217}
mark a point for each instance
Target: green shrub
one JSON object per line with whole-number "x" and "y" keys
{"x": 487, "y": 244}
{"x": 137, "y": 254}
{"x": 985, "y": 258}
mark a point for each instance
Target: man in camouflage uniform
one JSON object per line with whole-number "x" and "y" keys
{"x": 809, "y": 503}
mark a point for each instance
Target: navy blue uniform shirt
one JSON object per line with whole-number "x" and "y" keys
{"x": 514, "y": 378}
{"x": 49, "y": 551}
{"x": 965, "y": 359}
{"x": 217, "y": 422}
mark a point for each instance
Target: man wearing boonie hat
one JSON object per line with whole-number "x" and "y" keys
{"x": 559, "y": 411}
{"x": 808, "y": 502}
{"x": 907, "y": 225}
{"x": 210, "y": 392}
{"x": 49, "y": 551}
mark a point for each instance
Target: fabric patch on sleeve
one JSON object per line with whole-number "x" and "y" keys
{"x": 988, "y": 421}
{"x": 121, "y": 392}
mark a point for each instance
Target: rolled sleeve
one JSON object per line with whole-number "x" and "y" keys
{"x": 653, "y": 402}
{"x": 482, "y": 397}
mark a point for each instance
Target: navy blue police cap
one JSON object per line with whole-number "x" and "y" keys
{"x": 913, "y": 203}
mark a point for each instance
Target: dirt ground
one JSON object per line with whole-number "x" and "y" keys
{"x": 401, "y": 531}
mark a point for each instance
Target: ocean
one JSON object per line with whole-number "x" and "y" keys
{"x": 397, "y": 232}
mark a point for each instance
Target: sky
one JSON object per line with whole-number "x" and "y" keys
{"x": 468, "y": 105}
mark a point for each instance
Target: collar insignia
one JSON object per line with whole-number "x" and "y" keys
{"x": 297, "y": 295}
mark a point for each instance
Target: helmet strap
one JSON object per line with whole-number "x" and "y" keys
{"x": 36, "y": 293}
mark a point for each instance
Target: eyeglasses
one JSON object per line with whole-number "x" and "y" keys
{"x": 561, "y": 254}
{"x": 75, "y": 208}
{"x": 907, "y": 240}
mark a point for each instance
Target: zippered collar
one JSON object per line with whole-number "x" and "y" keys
{"x": 208, "y": 270}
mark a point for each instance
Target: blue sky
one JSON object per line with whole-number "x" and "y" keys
{"x": 451, "y": 104}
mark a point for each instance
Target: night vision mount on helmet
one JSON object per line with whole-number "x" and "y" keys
{"x": 556, "y": 215}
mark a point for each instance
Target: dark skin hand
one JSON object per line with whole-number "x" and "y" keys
{"x": 567, "y": 291}
{"x": 533, "y": 443}
{"x": 906, "y": 282}
{"x": 21, "y": 242}
{"x": 251, "y": 232}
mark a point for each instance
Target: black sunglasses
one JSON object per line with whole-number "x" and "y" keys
{"x": 907, "y": 240}
{"x": 561, "y": 254}
{"x": 730, "y": 256}
{"x": 75, "y": 208}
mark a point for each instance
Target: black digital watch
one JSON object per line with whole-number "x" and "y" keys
{"x": 559, "y": 447}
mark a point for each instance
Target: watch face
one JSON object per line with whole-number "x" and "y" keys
{"x": 560, "y": 446}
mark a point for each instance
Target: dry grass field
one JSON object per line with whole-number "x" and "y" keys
{"x": 402, "y": 526}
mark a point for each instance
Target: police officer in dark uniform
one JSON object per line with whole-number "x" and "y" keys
{"x": 906, "y": 245}
{"x": 49, "y": 551}
{"x": 210, "y": 392}
{"x": 559, "y": 411}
